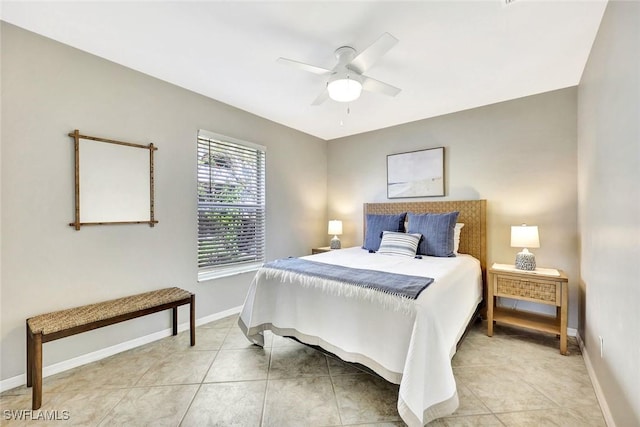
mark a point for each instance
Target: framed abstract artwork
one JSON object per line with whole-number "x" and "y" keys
{"x": 416, "y": 174}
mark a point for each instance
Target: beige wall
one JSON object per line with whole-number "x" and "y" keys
{"x": 519, "y": 155}
{"x": 48, "y": 90}
{"x": 609, "y": 208}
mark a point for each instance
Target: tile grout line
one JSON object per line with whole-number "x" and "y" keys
{"x": 195, "y": 395}
{"x": 333, "y": 388}
{"x": 266, "y": 385}
{"x": 476, "y": 396}
{"x": 495, "y": 414}
{"x": 190, "y": 404}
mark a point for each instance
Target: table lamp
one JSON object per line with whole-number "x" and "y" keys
{"x": 525, "y": 236}
{"x": 335, "y": 228}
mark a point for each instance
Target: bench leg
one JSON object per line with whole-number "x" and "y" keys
{"x": 175, "y": 320}
{"x": 192, "y": 319}
{"x": 36, "y": 376}
{"x": 29, "y": 356}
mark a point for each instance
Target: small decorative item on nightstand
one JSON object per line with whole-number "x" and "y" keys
{"x": 335, "y": 228}
{"x": 524, "y": 236}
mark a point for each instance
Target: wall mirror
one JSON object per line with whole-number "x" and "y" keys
{"x": 113, "y": 182}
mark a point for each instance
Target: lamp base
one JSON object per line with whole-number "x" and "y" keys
{"x": 525, "y": 261}
{"x": 335, "y": 243}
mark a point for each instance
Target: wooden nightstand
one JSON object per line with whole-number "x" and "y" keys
{"x": 320, "y": 250}
{"x": 543, "y": 286}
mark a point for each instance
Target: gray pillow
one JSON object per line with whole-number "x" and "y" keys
{"x": 437, "y": 233}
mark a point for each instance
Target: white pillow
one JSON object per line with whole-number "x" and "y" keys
{"x": 394, "y": 243}
{"x": 456, "y": 236}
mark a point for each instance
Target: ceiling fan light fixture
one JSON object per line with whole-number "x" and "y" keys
{"x": 344, "y": 88}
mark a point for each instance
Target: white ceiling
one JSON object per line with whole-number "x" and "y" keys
{"x": 452, "y": 55}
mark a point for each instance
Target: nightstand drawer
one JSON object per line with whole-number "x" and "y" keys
{"x": 536, "y": 291}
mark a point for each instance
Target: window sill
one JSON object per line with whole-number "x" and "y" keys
{"x": 206, "y": 275}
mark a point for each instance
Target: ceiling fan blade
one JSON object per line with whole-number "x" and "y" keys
{"x": 370, "y": 55}
{"x": 306, "y": 67}
{"x": 373, "y": 85}
{"x": 324, "y": 95}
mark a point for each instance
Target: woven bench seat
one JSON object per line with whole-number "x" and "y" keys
{"x": 64, "y": 323}
{"x": 66, "y": 319}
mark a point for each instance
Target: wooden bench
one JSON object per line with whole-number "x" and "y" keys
{"x": 60, "y": 324}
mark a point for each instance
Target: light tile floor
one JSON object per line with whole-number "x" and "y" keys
{"x": 515, "y": 378}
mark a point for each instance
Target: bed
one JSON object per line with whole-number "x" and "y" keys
{"x": 409, "y": 342}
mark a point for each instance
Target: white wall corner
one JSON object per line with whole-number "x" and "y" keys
{"x": 606, "y": 412}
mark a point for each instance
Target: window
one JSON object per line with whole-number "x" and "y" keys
{"x": 231, "y": 206}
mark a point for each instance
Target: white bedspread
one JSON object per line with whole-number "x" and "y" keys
{"x": 412, "y": 348}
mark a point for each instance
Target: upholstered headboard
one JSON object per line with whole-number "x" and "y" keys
{"x": 473, "y": 213}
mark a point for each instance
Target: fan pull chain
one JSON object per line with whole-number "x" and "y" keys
{"x": 348, "y": 112}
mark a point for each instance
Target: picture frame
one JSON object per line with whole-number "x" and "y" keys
{"x": 416, "y": 174}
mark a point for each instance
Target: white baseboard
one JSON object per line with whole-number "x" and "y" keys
{"x": 215, "y": 316}
{"x": 606, "y": 412}
{"x": 65, "y": 365}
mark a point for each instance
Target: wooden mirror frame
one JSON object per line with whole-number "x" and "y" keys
{"x": 77, "y": 223}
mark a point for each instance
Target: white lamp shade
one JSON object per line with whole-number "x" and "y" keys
{"x": 344, "y": 89}
{"x": 335, "y": 227}
{"x": 524, "y": 236}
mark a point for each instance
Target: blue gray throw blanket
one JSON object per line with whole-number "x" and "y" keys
{"x": 390, "y": 283}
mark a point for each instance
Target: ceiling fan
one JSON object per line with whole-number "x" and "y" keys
{"x": 347, "y": 80}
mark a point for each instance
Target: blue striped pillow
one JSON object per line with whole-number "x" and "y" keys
{"x": 394, "y": 243}
{"x": 437, "y": 233}
{"x": 376, "y": 224}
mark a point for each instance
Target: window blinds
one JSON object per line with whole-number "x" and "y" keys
{"x": 231, "y": 203}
